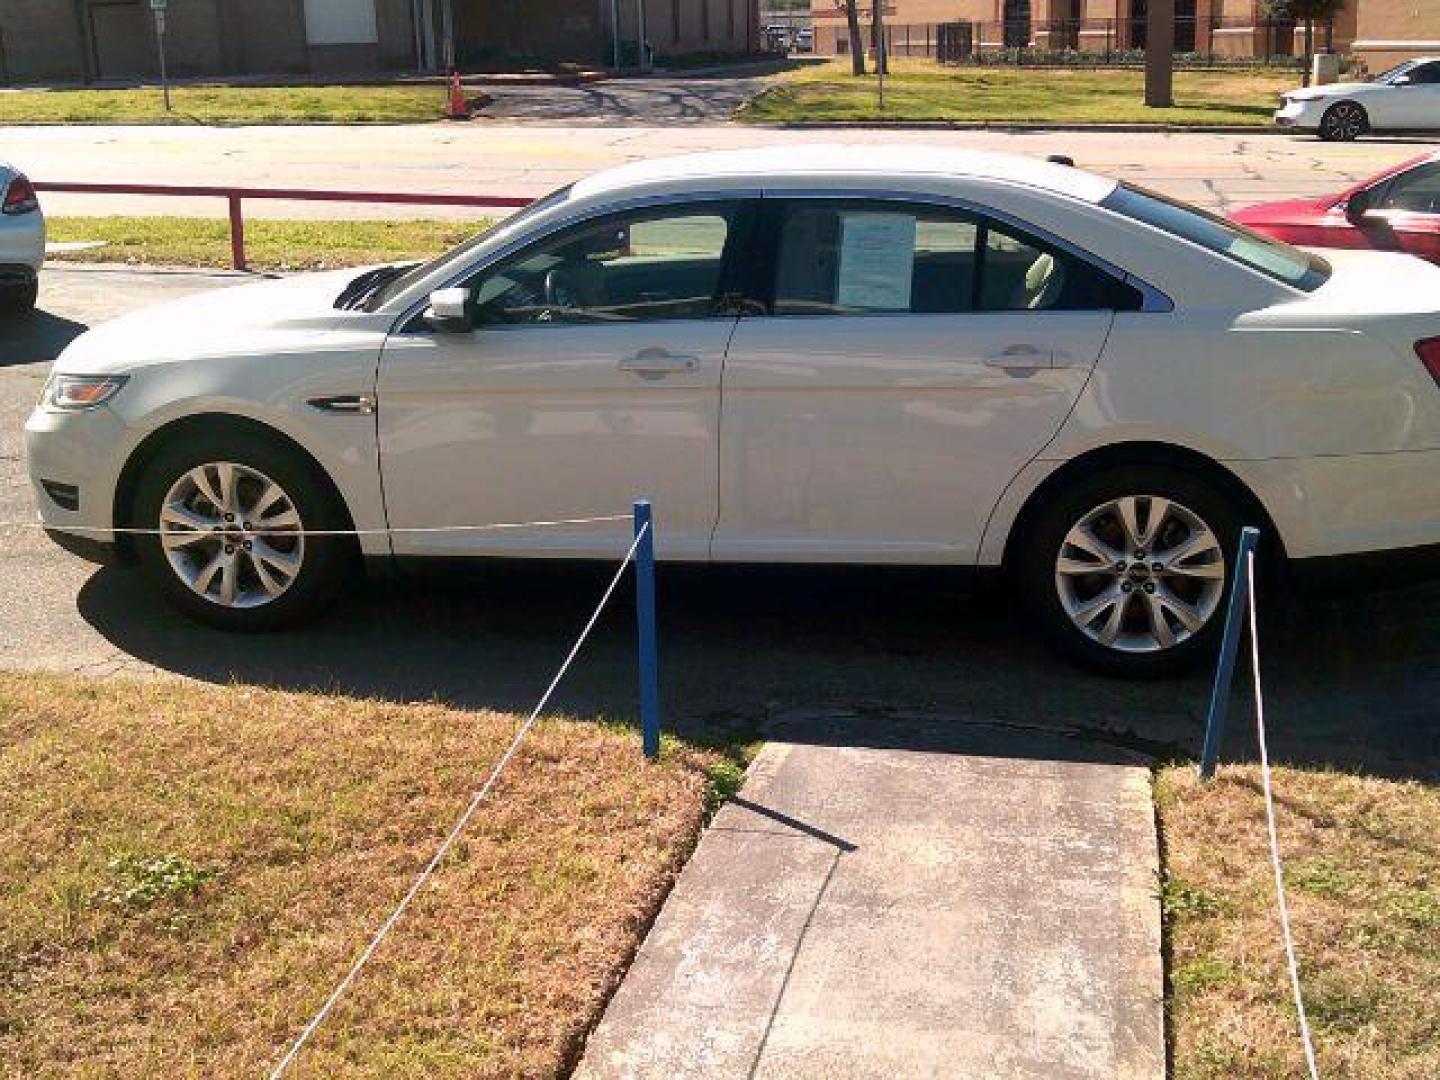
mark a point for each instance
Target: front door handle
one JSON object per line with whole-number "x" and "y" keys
{"x": 1020, "y": 358}
{"x": 657, "y": 361}
{"x": 363, "y": 404}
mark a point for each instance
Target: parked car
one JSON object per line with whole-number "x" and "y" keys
{"x": 22, "y": 241}
{"x": 1395, "y": 210}
{"x": 935, "y": 358}
{"x": 1405, "y": 98}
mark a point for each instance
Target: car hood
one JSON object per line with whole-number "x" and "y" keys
{"x": 1313, "y": 93}
{"x": 285, "y": 315}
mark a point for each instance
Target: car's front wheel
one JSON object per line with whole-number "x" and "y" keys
{"x": 1127, "y": 571}
{"x": 234, "y": 545}
{"x": 1343, "y": 122}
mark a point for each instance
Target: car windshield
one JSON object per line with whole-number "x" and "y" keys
{"x": 1273, "y": 258}
{"x": 398, "y": 285}
{"x": 1398, "y": 69}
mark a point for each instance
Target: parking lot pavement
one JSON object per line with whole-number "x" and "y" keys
{"x": 505, "y": 157}
{"x": 1355, "y": 682}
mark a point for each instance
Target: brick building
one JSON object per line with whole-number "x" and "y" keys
{"x": 1377, "y": 32}
{"x": 90, "y": 40}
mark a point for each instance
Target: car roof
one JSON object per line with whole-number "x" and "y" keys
{"x": 860, "y": 162}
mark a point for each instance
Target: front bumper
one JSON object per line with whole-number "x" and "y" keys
{"x": 1302, "y": 115}
{"x": 80, "y": 450}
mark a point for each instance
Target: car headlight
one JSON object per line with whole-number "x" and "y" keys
{"x": 75, "y": 393}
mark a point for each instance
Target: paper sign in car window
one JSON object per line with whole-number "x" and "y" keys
{"x": 877, "y": 261}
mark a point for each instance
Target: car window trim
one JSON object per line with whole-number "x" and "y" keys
{"x": 1153, "y": 300}
{"x": 409, "y": 322}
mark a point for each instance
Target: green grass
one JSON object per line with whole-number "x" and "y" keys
{"x": 919, "y": 90}
{"x": 226, "y": 105}
{"x": 1363, "y": 879}
{"x": 186, "y": 870}
{"x": 269, "y": 245}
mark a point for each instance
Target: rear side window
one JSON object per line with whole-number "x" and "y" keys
{"x": 844, "y": 258}
{"x": 1273, "y": 258}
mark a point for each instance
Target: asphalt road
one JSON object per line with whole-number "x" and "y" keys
{"x": 527, "y": 158}
{"x": 853, "y": 657}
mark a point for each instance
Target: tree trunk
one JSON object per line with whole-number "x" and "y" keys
{"x": 1160, "y": 54}
{"x": 857, "y": 43}
{"x": 877, "y": 29}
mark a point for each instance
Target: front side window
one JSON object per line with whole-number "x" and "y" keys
{"x": 1417, "y": 190}
{"x": 1273, "y": 258}
{"x": 653, "y": 264}
{"x": 844, "y": 258}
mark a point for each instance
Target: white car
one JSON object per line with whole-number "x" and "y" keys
{"x": 22, "y": 241}
{"x": 1405, "y": 98}
{"x": 800, "y": 355}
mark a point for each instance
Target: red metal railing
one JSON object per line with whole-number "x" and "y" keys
{"x": 235, "y": 195}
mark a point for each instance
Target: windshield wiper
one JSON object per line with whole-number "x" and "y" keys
{"x": 355, "y": 294}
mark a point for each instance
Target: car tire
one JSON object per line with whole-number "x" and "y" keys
{"x": 1344, "y": 121}
{"x": 1181, "y": 578}
{"x": 19, "y": 299}
{"x": 245, "y": 572}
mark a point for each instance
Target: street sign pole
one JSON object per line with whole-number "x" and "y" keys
{"x": 157, "y": 8}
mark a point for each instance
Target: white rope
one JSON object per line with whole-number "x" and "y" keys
{"x": 459, "y": 825}
{"x": 1270, "y": 823}
{"x": 137, "y": 531}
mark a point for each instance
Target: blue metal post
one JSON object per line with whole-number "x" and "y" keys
{"x": 1229, "y": 646}
{"x": 645, "y": 614}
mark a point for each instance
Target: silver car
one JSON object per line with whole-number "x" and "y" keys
{"x": 22, "y": 241}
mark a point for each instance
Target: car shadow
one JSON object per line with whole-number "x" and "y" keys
{"x": 917, "y": 658}
{"x": 36, "y": 337}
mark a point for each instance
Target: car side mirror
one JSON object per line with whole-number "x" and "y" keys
{"x": 449, "y": 311}
{"x": 1357, "y": 206}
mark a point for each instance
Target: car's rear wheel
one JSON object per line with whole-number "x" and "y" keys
{"x": 1343, "y": 122}
{"x": 19, "y": 299}
{"x": 1127, "y": 571}
{"x": 235, "y": 547}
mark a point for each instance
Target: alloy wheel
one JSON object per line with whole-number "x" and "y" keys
{"x": 1140, "y": 574}
{"x": 1345, "y": 121}
{"x": 232, "y": 535}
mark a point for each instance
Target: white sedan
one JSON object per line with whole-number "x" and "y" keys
{"x": 800, "y": 355}
{"x": 22, "y": 241}
{"x": 1405, "y": 98}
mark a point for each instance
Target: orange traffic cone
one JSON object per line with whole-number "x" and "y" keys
{"x": 456, "y": 109}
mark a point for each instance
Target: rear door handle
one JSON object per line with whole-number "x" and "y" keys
{"x": 657, "y": 361}
{"x": 1020, "y": 358}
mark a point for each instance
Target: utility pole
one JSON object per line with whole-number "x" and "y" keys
{"x": 615, "y": 34}
{"x": 1160, "y": 54}
{"x": 447, "y": 34}
{"x": 641, "y": 60}
{"x": 157, "y": 8}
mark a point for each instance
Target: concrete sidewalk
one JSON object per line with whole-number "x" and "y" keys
{"x": 901, "y": 913}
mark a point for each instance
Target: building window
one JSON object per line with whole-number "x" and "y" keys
{"x": 340, "y": 22}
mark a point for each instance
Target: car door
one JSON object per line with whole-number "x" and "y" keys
{"x": 1405, "y": 212}
{"x": 911, "y": 359}
{"x": 585, "y": 375}
{"x": 1415, "y": 103}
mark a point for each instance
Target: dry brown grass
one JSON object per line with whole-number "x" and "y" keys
{"x": 187, "y": 870}
{"x": 1362, "y": 859}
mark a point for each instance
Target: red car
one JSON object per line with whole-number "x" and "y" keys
{"x": 1398, "y": 210}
